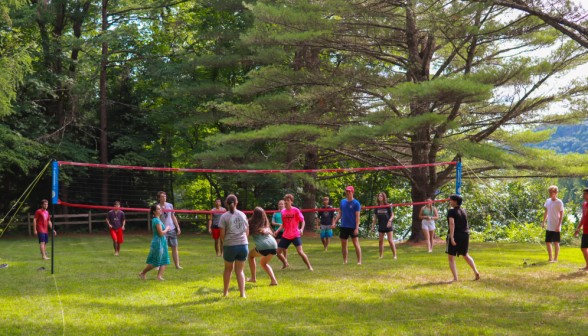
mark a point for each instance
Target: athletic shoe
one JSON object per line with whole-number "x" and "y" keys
{"x": 3, "y": 265}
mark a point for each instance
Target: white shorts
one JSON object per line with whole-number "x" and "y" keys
{"x": 428, "y": 224}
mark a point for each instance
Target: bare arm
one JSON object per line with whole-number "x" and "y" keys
{"x": 357, "y": 221}
{"x": 579, "y": 225}
{"x": 222, "y": 235}
{"x": 336, "y": 220}
{"x": 544, "y": 217}
{"x": 561, "y": 213}
{"x": 317, "y": 222}
{"x": 176, "y": 223}
{"x": 161, "y": 232}
{"x": 278, "y": 229}
{"x": 302, "y": 228}
{"x": 35, "y": 225}
{"x": 108, "y": 222}
{"x": 210, "y": 224}
{"x": 374, "y": 222}
{"x": 451, "y": 229}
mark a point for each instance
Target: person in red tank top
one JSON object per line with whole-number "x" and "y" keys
{"x": 584, "y": 223}
{"x": 40, "y": 223}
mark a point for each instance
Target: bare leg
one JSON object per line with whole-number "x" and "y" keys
{"x": 452, "y": 267}
{"x": 160, "y": 272}
{"x": 303, "y": 256}
{"x": 585, "y": 253}
{"x": 227, "y": 276}
{"x": 282, "y": 257}
{"x": 251, "y": 258}
{"x": 221, "y": 248}
{"x": 43, "y": 248}
{"x": 264, "y": 262}
{"x": 556, "y": 252}
{"x": 357, "y": 249}
{"x": 549, "y": 251}
{"x": 324, "y": 243}
{"x": 344, "y": 250}
{"x": 216, "y": 246}
{"x": 115, "y": 250}
{"x": 327, "y": 243}
{"x": 391, "y": 242}
{"x": 426, "y": 232}
{"x": 470, "y": 262}
{"x": 239, "y": 265}
{"x": 381, "y": 243}
{"x": 176, "y": 256}
{"x": 147, "y": 268}
{"x": 431, "y": 237}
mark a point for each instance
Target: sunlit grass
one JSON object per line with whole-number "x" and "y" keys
{"x": 102, "y": 294}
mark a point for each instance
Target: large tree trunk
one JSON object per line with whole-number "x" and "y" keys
{"x": 103, "y": 115}
{"x": 311, "y": 158}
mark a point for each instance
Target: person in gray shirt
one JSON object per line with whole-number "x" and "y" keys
{"x": 169, "y": 220}
{"x": 234, "y": 229}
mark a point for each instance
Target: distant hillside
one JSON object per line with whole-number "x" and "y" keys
{"x": 568, "y": 139}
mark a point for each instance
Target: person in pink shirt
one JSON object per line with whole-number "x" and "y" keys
{"x": 291, "y": 216}
{"x": 40, "y": 223}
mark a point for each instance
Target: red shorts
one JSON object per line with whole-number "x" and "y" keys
{"x": 216, "y": 233}
{"x": 117, "y": 235}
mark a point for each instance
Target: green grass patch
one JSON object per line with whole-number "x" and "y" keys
{"x": 102, "y": 294}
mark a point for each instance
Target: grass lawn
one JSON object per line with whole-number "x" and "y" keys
{"x": 102, "y": 294}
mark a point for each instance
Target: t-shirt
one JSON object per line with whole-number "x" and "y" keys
{"x": 291, "y": 218}
{"x": 265, "y": 242}
{"x": 585, "y": 218}
{"x": 460, "y": 219}
{"x": 326, "y": 217}
{"x": 383, "y": 215}
{"x": 167, "y": 217}
{"x": 553, "y": 209}
{"x": 235, "y": 226}
{"x": 348, "y": 210}
{"x": 277, "y": 218}
{"x": 42, "y": 217}
{"x": 216, "y": 217}
{"x": 116, "y": 218}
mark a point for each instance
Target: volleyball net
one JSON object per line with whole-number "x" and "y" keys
{"x": 98, "y": 186}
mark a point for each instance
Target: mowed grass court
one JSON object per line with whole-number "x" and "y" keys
{"x": 103, "y": 295}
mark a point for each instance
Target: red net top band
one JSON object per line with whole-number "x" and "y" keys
{"x": 253, "y": 171}
{"x": 247, "y": 212}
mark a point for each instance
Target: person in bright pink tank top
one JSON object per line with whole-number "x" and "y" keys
{"x": 584, "y": 223}
{"x": 291, "y": 216}
{"x": 40, "y": 224}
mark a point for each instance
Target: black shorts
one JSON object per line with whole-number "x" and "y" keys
{"x": 462, "y": 242}
{"x": 344, "y": 233}
{"x": 386, "y": 229}
{"x": 279, "y": 236}
{"x": 265, "y": 253}
{"x": 285, "y": 242}
{"x": 552, "y": 236}
{"x": 584, "y": 241}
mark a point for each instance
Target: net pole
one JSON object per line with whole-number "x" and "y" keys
{"x": 54, "y": 200}
{"x": 458, "y": 177}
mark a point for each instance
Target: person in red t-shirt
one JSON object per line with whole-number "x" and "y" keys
{"x": 40, "y": 223}
{"x": 584, "y": 223}
{"x": 291, "y": 216}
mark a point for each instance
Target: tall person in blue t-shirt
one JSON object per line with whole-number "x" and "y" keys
{"x": 349, "y": 215}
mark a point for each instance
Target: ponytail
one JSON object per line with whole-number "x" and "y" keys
{"x": 231, "y": 202}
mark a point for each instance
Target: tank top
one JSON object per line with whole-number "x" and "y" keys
{"x": 427, "y": 212}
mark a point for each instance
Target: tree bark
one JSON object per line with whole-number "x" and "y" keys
{"x": 103, "y": 111}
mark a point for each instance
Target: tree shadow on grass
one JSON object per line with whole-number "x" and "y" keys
{"x": 572, "y": 276}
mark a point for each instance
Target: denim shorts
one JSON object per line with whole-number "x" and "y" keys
{"x": 237, "y": 252}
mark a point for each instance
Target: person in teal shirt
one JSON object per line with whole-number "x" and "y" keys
{"x": 265, "y": 245}
{"x": 158, "y": 254}
{"x": 277, "y": 221}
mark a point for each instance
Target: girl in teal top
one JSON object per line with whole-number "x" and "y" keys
{"x": 158, "y": 254}
{"x": 265, "y": 245}
{"x": 277, "y": 221}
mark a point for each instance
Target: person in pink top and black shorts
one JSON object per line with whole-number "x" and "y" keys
{"x": 584, "y": 223}
{"x": 40, "y": 223}
{"x": 291, "y": 216}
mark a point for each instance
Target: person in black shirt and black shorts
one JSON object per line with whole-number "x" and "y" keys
{"x": 384, "y": 218}
{"x": 459, "y": 236}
